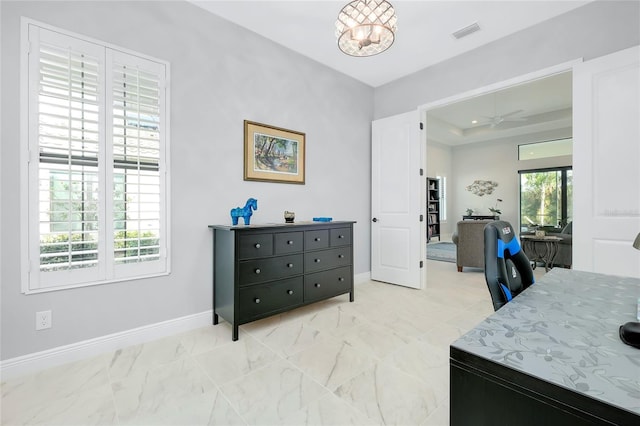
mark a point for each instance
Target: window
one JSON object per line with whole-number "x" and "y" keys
{"x": 96, "y": 173}
{"x": 546, "y": 198}
{"x": 548, "y": 149}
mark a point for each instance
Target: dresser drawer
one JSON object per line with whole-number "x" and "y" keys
{"x": 255, "y": 245}
{"x": 321, "y": 285}
{"x": 325, "y": 259}
{"x": 288, "y": 242}
{"x": 340, "y": 237}
{"x": 316, "y": 239}
{"x": 258, "y": 300}
{"x": 260, "y": 270}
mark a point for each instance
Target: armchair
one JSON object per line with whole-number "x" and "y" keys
{"x": 469, "y": 241}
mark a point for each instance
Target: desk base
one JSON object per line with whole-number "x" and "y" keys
{"x": 486, "y": 393}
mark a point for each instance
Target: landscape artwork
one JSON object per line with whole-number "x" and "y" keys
{"x": 273, "y": 154}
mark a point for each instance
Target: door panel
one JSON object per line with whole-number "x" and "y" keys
{"x": 396, "y": 230}
{"x": 606, "y": 158}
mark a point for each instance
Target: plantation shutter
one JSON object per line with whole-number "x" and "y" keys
{"x": 138, "y": 163}
{"x": 67, "y": 121}
{"x": 97, "y": 197}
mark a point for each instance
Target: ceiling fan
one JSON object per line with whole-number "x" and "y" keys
{"x": 501, "y": 118}
{"x": 497, "y": 119}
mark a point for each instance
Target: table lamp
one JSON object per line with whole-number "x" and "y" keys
{"x": 630, "y": 332}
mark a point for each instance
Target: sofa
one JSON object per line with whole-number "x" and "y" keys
{"x": 469, "y": 241}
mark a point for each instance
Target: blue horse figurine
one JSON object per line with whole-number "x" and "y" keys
{"x": 244, "y": 212}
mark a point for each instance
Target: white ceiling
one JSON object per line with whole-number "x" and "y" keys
{"x": 424, "y": 38}
{"x": 424, "y": 34}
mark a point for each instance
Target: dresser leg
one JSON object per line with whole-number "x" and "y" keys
{"x": 235, "y": 333}
{"x": 351, "y": 298}
{"x": 215, "y": 318}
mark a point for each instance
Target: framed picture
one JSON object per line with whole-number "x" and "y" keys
{"x": 272, "y": 154}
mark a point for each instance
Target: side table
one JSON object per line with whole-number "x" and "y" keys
{"x": 543, "y": 249}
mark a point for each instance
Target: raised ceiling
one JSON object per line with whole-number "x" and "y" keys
{"x": 543, "y": 105}
{"x": 424, "y": 34}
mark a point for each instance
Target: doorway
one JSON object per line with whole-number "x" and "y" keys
{"x": 475, "y": 136}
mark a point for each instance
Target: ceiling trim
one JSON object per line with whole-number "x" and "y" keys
{"x": 525, "y": 78}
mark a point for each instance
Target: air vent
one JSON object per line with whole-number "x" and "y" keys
{"x": 463, "y": 32}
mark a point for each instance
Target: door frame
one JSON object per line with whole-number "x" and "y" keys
{"x": 524, "y": 78}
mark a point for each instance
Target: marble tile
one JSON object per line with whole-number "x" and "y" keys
{"x": 427, "y": 362}
{"x": 440, "y": 417}
{"x": 328, "y": 410}
{"x": 140, "y": 359}
{"x": 334, "y": 321}
{"x": 292, "y": 337}
{"x": 177, "y": 383}
{"x": 209, "y": 408}
{"x": 93, "y": 406}
{"x": 230, "y": 362}
{"x": 270, "y": 394}
{"x": 405, "y": 324}
{"x": 22, "y": 393}
{"x": 206, "y": 338}
{"x": 388, "y": 396}
{"x": 375, "y": 339}
{"x": 332, "y": 362}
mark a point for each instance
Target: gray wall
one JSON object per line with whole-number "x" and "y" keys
{"x": 221, "y": 74}
{"x": 588, "y": 32}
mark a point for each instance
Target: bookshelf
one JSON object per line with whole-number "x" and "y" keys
{"x": 433, "y": 208}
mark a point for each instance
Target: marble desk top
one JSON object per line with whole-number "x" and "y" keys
{"x": 564, "y": 330}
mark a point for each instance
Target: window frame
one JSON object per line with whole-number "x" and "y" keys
{"x": 106, "y": 271}
{"x": 563, "y": 195}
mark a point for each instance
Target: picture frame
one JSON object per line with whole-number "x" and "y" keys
{"x": 273, "y": 154}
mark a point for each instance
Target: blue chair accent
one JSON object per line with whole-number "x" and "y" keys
{"x": 507, "y": 269}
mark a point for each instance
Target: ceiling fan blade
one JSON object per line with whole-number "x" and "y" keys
{"x": 518, "y": 111}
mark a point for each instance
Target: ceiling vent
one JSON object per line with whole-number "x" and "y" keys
{"x": 463, "y": 32}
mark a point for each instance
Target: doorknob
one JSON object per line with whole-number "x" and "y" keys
{"x": 374, "y": 220}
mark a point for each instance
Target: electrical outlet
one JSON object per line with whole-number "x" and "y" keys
{"x": 43, "y": 320}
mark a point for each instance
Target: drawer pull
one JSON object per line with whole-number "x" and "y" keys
{"x": 340, "y": 279}
{"x": 257, "y": 300}
{"x": 340, "y": 236}
{"x": 317, "y": 285}
{"x": 257, "y": 245}
{"x": 289, "y": 265}
{"x": 317, "y": 260}
{"x": 290, "y": 242}
{"x": 341, "y": 256}
{"x": 316, "y": 239}
{"x": 289, "y": 291}
{"x": 257, "y": 271}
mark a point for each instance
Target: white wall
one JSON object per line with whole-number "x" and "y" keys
{"x": 590, "y": 31}
{"x": 221, "y": 74}
{"x": 497, "y": 161}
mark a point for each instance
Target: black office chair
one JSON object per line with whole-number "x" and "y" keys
{"x": 506, "y": 268}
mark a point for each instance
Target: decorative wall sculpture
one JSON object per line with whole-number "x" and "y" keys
{"x": 482, "y": 187}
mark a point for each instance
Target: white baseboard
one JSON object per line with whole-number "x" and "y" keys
{"x": 37, "y": 361}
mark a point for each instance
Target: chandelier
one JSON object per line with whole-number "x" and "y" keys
{"x": 366, "y": 27}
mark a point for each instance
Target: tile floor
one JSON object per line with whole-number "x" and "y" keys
{"x": 382, "y": 359}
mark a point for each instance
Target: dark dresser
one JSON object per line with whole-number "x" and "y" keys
{"x": 262, "y": 270}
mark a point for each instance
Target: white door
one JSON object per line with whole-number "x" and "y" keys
{"x": 606, "y": 163}
{"x": 397, "y": 233}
